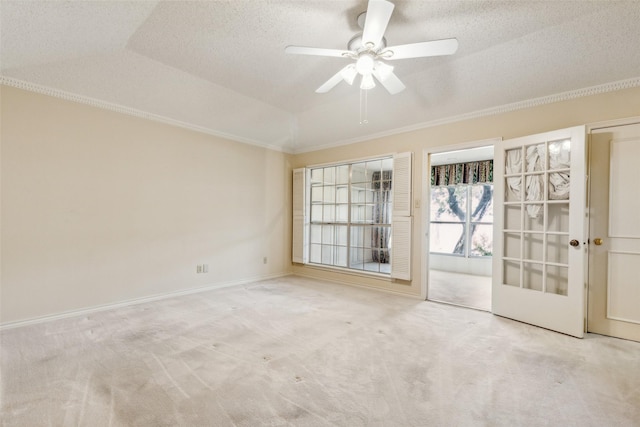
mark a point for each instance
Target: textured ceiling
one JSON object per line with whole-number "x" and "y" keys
{"x": 220, "y": 66}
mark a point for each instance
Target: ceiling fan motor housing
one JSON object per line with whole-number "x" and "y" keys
{"x": 355, "y": 44}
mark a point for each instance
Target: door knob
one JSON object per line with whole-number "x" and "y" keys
{"x": 597, "y": 241}
{"x": 574, "y": 242}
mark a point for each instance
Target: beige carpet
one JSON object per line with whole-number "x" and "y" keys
{"x": 299, "y": 352}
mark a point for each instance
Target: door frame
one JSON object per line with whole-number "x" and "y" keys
{"x": 589, "y": 129}
{"x": 425, "y": 216}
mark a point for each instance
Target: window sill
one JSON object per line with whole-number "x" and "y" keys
{"x": 461, "y": 256}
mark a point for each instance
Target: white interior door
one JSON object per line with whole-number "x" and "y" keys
{"x": 614, "y": 232}
{"x": 539, "y": 230}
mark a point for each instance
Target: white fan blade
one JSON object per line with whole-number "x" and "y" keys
{"x": 303, "y": 50}
{"x": 391, "y": 82}
{"x": 333, "y": 81}
{"x": 377, "y": 18}
{"x": 418, "y": 50}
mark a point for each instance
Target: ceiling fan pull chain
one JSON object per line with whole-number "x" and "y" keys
{"x": 360, "y": 106}
{"x": 363, "y": 107}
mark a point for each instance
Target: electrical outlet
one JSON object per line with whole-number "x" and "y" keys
{"x": 205, "y": 268}
{"x": 199, "y": 268}
{"x": 264, "y": 260}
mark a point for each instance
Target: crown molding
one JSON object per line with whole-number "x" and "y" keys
{"x": 550, "y": 99}
{"x": 521, "y": 105}
{"x": 93, "y": 102}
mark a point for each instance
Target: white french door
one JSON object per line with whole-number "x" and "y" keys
{"x": 539, "y": 230}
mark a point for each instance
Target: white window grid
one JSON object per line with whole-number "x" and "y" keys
{"x": 342, "y": 222}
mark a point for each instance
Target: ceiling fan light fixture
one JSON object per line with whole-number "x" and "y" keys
{"x": 367, "y": 82}
{"x": 383, "y": 71}
{"x": 349, "y": 74}
{"x": 365, "y": 64}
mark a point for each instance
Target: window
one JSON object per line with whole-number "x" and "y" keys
{"x": 350, "y": 223}
{"x": 347, "y": 216}
{"x": 462, "y": 220}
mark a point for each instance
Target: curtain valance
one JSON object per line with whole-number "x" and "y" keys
{"x": 462, "y": 173}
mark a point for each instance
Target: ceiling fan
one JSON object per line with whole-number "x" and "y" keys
{"x": 369, "y": 51}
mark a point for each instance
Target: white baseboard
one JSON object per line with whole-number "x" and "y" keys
{"x": 359, "y": 285}
{"x": 134, "y": 301}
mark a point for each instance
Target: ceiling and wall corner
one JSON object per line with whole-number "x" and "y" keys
{"x": 220, "y": 67}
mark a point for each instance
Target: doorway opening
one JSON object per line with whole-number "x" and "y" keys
{"x": 460, "y": 224}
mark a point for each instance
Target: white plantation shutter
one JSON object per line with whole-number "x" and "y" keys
{"x": 401, "y": 248}
{"x": 401, "y": 219}
{"x": 299, "y": 245}
{"x": 402, "y": 184}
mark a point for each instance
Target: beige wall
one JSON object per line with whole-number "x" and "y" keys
{"x": 100, "y": 207}
{"x": 580, "y": 111}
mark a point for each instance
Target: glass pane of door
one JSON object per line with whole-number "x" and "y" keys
{"x": 535, "y": 247}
